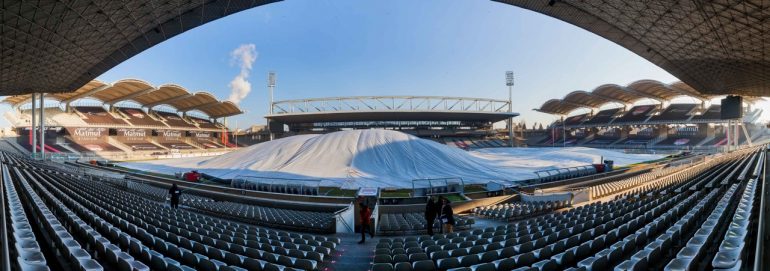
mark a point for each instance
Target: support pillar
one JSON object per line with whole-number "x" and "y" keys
{"x": 33, "y": 129}
{"x": 748, "y": 136}
{"x": 42, "y": 125}
{"x": 737, "y": 133}
{"x": 563, "y": 132}
{"x": 729, "y": 135}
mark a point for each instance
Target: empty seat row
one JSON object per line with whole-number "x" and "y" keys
{"x": 202, "y": 249}
{"x": 113, "y": 226}
{"x": 25, "y": 251}
{"x": 74, "y": 256}
{"x": 638, "y": 231}
{"x": 415, "y": 223}
{"x": 518, "y": 210}
{"x": 160, "y": 194}
{"x": 614, "y": 187}
{"x": 688, "y": 257}
{"x": 269, "y": 216}
{"x": 734, "y": 242}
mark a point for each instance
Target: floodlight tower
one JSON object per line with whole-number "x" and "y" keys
{"x": 271, "y": 87}
{"x": 509, "y": 83}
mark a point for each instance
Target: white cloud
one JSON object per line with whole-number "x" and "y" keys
{"x": 243, "y": 56}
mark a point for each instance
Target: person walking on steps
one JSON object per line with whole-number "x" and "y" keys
{"x": 175, "y": 193}
{"x": 447, "y": 216}
{"x": 439, "y": 215}
{"x": 365, "y": 215}
{"x": 432, "y": 209}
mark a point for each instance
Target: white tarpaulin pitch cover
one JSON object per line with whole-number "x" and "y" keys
{"x": 382, "y": 158}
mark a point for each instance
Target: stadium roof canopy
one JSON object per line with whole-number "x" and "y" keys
{"x": 363, "y": 116}
{"x": 390, "y": 108}
{"x": 717, "y": 47}
{"x": 626, "y": 95}
{"x": 59, "y": 46}
{"x": 144, "y": 94}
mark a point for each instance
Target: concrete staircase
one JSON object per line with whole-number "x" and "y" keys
{"x": 618, "y": 141}
{"x": 585, "y": 139}
{"x": 658, "y": 139}
{"x": 155, "y": 142}
{"x": 194, "y": 143}
{"x": 705, "y": 140}
{"x": 119, "y": 145}
{"x": 68, "y": 148}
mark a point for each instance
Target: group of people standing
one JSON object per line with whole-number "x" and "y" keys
{"x": 439, "y": 208}
{"x": 436, "y": 208}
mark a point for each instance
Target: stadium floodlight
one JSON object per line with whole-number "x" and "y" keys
{"x": 271, "y": 79}
{"x": 271, "y": 86}
{"x": 509, "y": 83}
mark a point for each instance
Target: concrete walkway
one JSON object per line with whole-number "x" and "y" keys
{"x": 351, "y": 256}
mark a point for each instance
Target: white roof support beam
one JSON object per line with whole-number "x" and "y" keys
{"x": 29, "y": 99}
{"x": 579, "y": 105}
{"x": 228, "y": 115}
{"x": 610, "y": 99}
{"x": 169, "y": 100}
{"x": 129, "y": 97}
{"x": 576, "y": 105}
{"x": 198, "y": 107}
{"x": 658, "y": 99}
{"x": 86, "y": 94}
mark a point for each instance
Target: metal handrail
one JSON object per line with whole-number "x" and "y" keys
{"x": 4, "y": 230}
{"x": 347, "y": 226}
{"x": 338, "y": 216}
{"x": 759, "y": 255}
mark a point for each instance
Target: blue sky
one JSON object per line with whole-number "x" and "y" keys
{"x": 324, "y": 48}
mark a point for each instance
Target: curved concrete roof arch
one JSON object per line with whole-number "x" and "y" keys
{"x": 716, "y": 47}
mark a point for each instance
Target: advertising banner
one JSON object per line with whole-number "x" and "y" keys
{"x": 132, "y": 135}
{"x": 170, "y": 135}
{"x": 200, "y": 135}
{"x": 87, "y": 133}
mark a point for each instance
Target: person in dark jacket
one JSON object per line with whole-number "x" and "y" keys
{"x": 439, "y": 207}
{"x": 432, "y": 209}
{"x": 365, "y": 215}
{"x": 175, "y": 194}
{"x": 447, "y": 216}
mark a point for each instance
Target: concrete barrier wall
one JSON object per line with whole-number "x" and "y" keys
{"x": 345, "y": 220}
{"x": 235, "y": 194}
{"x": 547, "y": 197}
{"x": 582, "y": 195}
{"x": 458, "y": 207}
{"x": 462, "y": 207}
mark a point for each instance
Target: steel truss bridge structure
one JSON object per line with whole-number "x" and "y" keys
{"x": 388, "y": 111}
{"x": 390, "y": 103}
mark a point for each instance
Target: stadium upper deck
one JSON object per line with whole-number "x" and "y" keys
{"x": 130, "y": 118}
{"x": 658, "y": 125}
{"x": 420, "y": 115}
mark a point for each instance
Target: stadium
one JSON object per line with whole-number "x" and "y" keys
{"x": 450, "y": 120}
{"x": 132, "y": 175}
{"x": 615, "y": 119}
{"x": 110, "y": 121}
